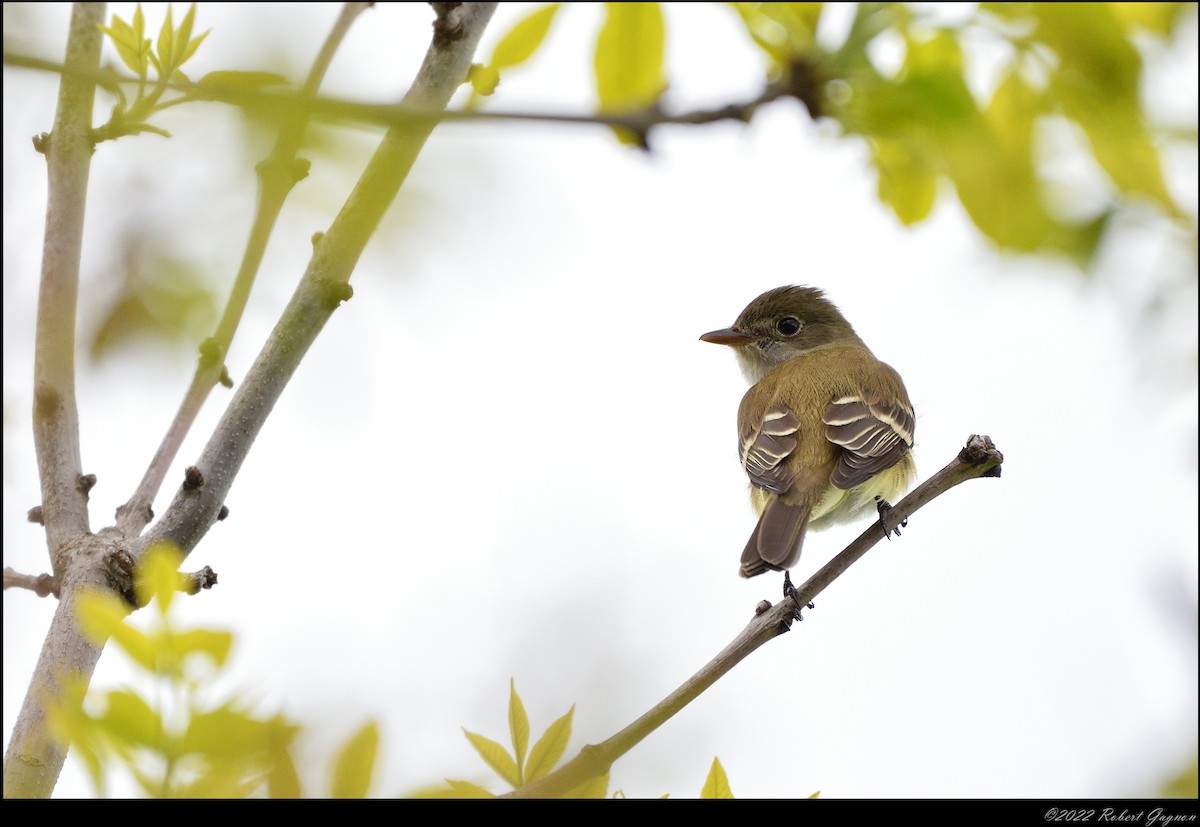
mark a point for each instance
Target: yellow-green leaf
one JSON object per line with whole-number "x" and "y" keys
{"x": 483, "y": 79}
{"x": 229, "y": 733}
{"x": 157, "y": 575}
{"x": 138, "y": 646}
{"x": 215, "y": 644}
{"x": 496, "y": 757}
{"x": 1159, "y": 18}
{"x": 518, "y": 727}
{"x": 73, "y": 727}
{"x": 132, "y": 48}
{"x": 282, "y": 779}
{"x": 356, "y": 763}
{"x": 100, "y": 614}
{"x": 166, "y": 45}
{"x": 131, "y": 721}
{"x": 192, "y": 46}
{"x": 185, "y": 44}
{"x": 785, "y": 31}
{"x": 907, "y": 179}
{"x": 549, "y": 748}
{"x": 463, "y": 789}
{"x": 629, "y": 57}
{"x": 524, "y": 38}
{"x": 717, "y": 784}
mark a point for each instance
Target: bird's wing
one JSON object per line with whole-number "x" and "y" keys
{"x": 764, "y": 449}
{"x": 873, "y": 434}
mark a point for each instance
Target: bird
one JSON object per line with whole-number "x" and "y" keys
{"x": 825, "y": 432}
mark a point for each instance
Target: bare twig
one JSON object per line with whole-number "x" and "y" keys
{"x": 325, "y": 283}
{"x": 41, "y": 584}
{"x": 195, "y": 581}
{"x": 34, "y": 759}
{"x": 979, "y": 458}
{"x": 55, "y": 417}
{"x": 803, "y": 83}
{"x": 278, "y": 174}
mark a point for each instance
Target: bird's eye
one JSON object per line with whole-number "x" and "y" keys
{"x": 788, "y": 326}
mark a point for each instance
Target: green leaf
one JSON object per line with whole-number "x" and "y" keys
{"x": 629, "y": 57}
{"x": 496, "y": 757}
{"x": 163, "y": 300}
{"x": 524, "y": 38}
{"x": 1098, "y": 85}
{"x": 355, "y": 763}
{"x": 549, "y": 748}
{"x": 907, "y": 179}
{"x": 785, "y": 31}
{"x": 717, "y": 784}
{"x": 993, "y": 169}
{"x": 518, "y": 727}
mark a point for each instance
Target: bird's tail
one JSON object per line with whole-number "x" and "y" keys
{"x": 777, "y": 539}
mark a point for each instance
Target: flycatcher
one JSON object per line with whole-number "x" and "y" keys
{"x": 825, "y": 431}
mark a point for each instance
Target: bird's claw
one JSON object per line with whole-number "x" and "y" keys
{"x": 885, "y": 509}
{"x": 790, "y": 591}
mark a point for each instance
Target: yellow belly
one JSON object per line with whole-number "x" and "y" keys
{"x": 839, "y": 506}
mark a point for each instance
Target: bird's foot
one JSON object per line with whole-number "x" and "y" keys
{"x": 885, "y": 511}
{"x": 790, "y": 591}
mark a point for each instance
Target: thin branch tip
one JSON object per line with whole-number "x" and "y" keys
{"x": 42, "y": 585}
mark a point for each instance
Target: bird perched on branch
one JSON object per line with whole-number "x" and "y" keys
{"x": 825, "y": 431}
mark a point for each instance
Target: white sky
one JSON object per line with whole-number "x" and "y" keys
{"x": 509, "y": 455}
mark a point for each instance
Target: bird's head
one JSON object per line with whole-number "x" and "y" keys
{"x": 780, "y": 324}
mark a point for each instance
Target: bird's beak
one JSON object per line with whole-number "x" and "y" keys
{"x": 728, "y": 336}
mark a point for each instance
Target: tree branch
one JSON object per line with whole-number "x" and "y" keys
{"x": 41, "y": 585}
{"x": 325, "y": 283}
{"x": 55, "y": 416}
{"x": 278, "y": 174}
{"x": 802, "y": 83}
{"x": 979, "y": 458}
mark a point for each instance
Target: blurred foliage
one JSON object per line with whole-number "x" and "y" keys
{"x": 171, "y": 741}
{"x": 928, "y": 124}
{"x": 1068, "y": 85}
{"x": 516, "y": 47}
{"x": 161, "y": 298}
{"x": 1184, "y": 785}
